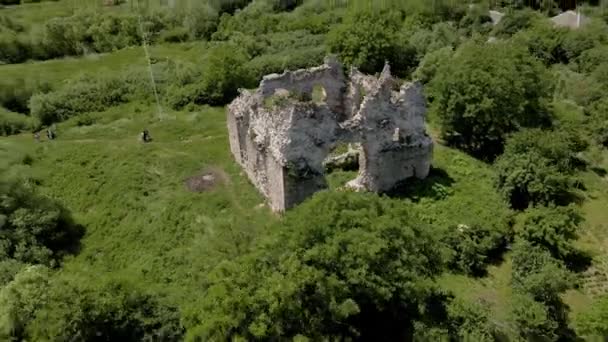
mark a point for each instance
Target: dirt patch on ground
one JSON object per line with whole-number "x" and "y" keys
{"x": 206, "y": 180}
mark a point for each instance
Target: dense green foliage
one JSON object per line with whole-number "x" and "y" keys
{"x": 35, "y": 229}
{"x": 554, "y": 228}
{"x": 536, "y": 167}
{"x": 538, "y": 280}
{"x": 443, "y": 258}
{"x": 290, "y": 286}
{"x": 88, "y": 94}
{"x": 485, "y": 92}
{"x": 110, "y": 310}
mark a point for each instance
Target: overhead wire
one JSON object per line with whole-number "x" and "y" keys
{"x": 144, "y": 39}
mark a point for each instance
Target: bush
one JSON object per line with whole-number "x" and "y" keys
{"x": 108, "y": 310}
{"x": 20, "y": 299}
{"x": 586, "y": 38}
{"x": 474, "y": 247}
{"x": 538, "y": 274}
{"x": 530, "y": 179}
{"x": 290, "y": 285}
{"x": 553, "y": 228}
{"x": 515, "y": 21}
{"x": 536, "y": 166}
{"x": 426, "y": 41}
{"x": 15, "y": 93}
{"x": 201, "y": 21}
{"x": 590, "y": 59}
{"x": 89, "y": 94}
{"x": 598, "y": 122}
{"x": 544, "y": 41}
{"x": 215, "y": 83}
{"x": 35, "y": 229}
{"x": 277, "y": 63}
{"x": 487, "y": 91}
{"x": 470, "y": 321}
{"x": 14, "y": 123}
{"x": 431, "y": 62}
{"x": 538, "y": 280}
{"x": 559, "y": 147}
{"x": 367, "y": 39}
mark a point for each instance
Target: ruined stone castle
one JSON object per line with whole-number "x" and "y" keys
{"x": 282, "y": 132}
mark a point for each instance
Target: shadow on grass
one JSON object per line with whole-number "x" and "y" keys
{"x": 578, "y": 261}
{"x": 435, "y": 186}
{"x": 599, "y": 171}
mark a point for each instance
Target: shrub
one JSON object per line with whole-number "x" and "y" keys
{"x": 223, "y": 74}
{"x": 89, "y": 94}
{"x": 530, "y": 179}
{"x": 554, "y": 228}
{"x": 544, "y": 41}
{"x": 15, "y": 93}
{"x": 587, "y": 37}
{"x": 538, "y": 274}
{"x": 538, "y": 280}
{"x": 367, "y": 39}
{"x": 536, "y": 166}
{"x": 109, "y": 309}
{"x": 35, "y": 229}
{"x": 431, "y": 62}
{"x": 426, "y": 41}
{"x": 515, "y": 21}
{"x": 20, "y": 299}
{"x": 474, "y": 247}
{"x": 470, "y": 321}
{"x": 590, "y": 59}
{"x": 290, "y": 284}
{"x": 201, "y": 21}
{"x": 476, "y": 21}
{"x": 487, "y": 91}
{"x": 14, "y": 123}
{"x": 277, "y": 63}
{"x": 559, "y": 147}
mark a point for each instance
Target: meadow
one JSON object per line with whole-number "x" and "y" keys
{"x": 143, "y": 225}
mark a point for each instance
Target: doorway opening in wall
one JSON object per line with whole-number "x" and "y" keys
{"x": 342, "y": 164}
{"x": 319, "y": 95}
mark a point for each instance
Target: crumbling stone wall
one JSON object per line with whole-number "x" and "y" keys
{"x": 281, "y": 137}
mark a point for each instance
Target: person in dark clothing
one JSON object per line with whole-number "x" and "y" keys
{"x": 145, "y": 136}
{"x": 50, "y": 134}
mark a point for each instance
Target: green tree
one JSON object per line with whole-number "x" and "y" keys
{"x": 427, "y": 69}
{"x": 554, "y": 228}
{"x": 342, "y": 265}
{"x": 560, "y": 147}
{"x": 487, "y": 91}
{"x": 515, "y": 21}
{"x": 368, "y": 38}
{"x": 544, "y": 41}
{"x": 473, "y": 247}
{"x": 530, "y": 179}
{"x": 108, "y": 310}
{"x": 536, "y": 167}
{"x": 223, "y": 74}
{"x": 538, "y": 281}
{"x": 34, "y": 229}
{"x": 201, "y": 21}
{"x": 20, "y": 299}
